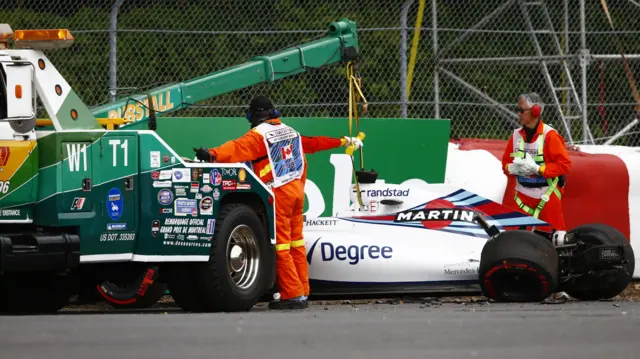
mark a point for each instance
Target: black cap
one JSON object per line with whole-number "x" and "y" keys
{"x": 260, "y": 103}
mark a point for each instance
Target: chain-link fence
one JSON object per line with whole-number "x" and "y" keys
{"x": 469, "y": 63}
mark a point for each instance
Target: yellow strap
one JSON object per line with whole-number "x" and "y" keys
{"x": 553, "y": 187}
{"x": 358, "y": 88}
{"x": 349, "y": 71}
{"x": 265, "y": 170}
{"x": 523, "y": 206}
{"x": 350, "y": 77}
{"x": 297, "y": 243}
{"x": 283, "y": 247}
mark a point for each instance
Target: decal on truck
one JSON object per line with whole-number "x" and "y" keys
{"x": 134, "y": 112}
{"x": 184, "y": 232}
{"x": 233, "y": 172}
{"x": 5, "y": 152}
{"x": 78, "y": 203}
{"x": 181, "y": 175}
{"x": 185, "y": 207}
{"x": 216, "y": 177}
{"x": 114, "y": 204}
{"x": 165, "y": 197}
{"x": 77, "y": 153}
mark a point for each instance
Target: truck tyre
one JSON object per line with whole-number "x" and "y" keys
{"x": 518, "y": 266}
{"x": 33, "y": 293}
{"x": 603, "y": 234}
{"x": 141, "y": 293}
{"x": 181, "y": 279}
{"x": 238, "y": 272}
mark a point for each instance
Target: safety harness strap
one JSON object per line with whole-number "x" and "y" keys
{"x": 535, "y": 212}
{"x": 539, "y": 158}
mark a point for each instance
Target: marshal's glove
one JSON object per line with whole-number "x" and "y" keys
{"x": 203, "y": 154}
{"x": 516, "y": 168}
{"x": 531, "y": 165}
{"x": 347, "y": 141}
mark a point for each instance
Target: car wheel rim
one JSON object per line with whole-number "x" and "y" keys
{"x": 243, "y": 257}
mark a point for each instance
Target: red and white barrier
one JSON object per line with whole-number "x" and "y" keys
{"x": 603, "y": 185}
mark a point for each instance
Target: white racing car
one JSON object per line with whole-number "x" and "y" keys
{"x": 434, "y": 237}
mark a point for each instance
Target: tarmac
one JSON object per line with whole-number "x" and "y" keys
{"x": 420, "y": 328}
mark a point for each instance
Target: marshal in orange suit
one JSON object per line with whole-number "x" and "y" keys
{"x": 536, "y": 155}
{"x": 277, "y": 155}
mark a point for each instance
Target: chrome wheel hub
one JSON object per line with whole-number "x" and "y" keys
{"x": 243, "y": 257}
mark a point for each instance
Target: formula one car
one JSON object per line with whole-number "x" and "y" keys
{"x": 436, "y": 237}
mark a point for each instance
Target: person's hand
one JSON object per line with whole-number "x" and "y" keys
{"x": 516, "y": 168}
{"x": 347, "y": 141}
{"x": 530, "y": 164}
{"x": 202, "y": 154}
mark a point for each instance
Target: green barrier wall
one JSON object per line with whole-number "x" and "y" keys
{"x": 398, "y": 149}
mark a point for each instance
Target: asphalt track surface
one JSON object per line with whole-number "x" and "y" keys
{"x": 376, "y": 330}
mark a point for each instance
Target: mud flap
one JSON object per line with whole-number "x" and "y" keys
{"x": 130, "y": 295}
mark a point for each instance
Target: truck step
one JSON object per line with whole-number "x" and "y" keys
{"x": 39, "y": 252}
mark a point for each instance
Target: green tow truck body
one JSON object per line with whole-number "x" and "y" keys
{"x": 130, "y": 206}
{"x": 86, "y": 207}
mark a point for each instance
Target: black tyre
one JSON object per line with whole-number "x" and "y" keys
{"x": 183, "y": 286}
{"x": 143, "y": 292}
{"x": 240, "y": 264}
{"x": 33, "y": 293}
{"x": 518, "y": 266}
{"x": 598, "y": 233}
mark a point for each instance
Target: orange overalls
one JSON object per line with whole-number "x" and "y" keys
{"x": 285, "y": 151}
{"x": 548, "y": 150}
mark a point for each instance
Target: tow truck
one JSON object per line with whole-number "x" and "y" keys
{"x": 87, "y": 203}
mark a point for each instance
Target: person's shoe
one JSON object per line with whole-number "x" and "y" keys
{"x": 293, "y": 303}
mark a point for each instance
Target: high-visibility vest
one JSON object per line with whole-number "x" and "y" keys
{"x": 285, "y": 158}
{"x": 535, "y": 186}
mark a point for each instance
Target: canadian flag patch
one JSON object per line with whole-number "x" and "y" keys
{"x": 287, "y": 151}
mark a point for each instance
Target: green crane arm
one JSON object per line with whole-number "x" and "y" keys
{"x": 340, "y": 44}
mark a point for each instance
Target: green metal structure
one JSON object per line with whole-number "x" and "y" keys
{"x": 340, "y": 44}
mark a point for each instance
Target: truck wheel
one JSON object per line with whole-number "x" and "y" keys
{"x": 239, "y": 267}
{"x": 603, "y": 234}
{"x": 33, "y": 293}
{"x": 518, "y": 266}
{"x": 144, "y": 292}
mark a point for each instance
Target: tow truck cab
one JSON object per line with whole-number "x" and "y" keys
{"x": 23, "y": 245}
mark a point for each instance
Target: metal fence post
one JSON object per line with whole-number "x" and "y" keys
{"x": 403, "y": 57}
{"x": 436, "y": 78}
{"x": 566, "y": 98}
{"x": 584, "y": 53}
{"x": 113, "y": 67}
